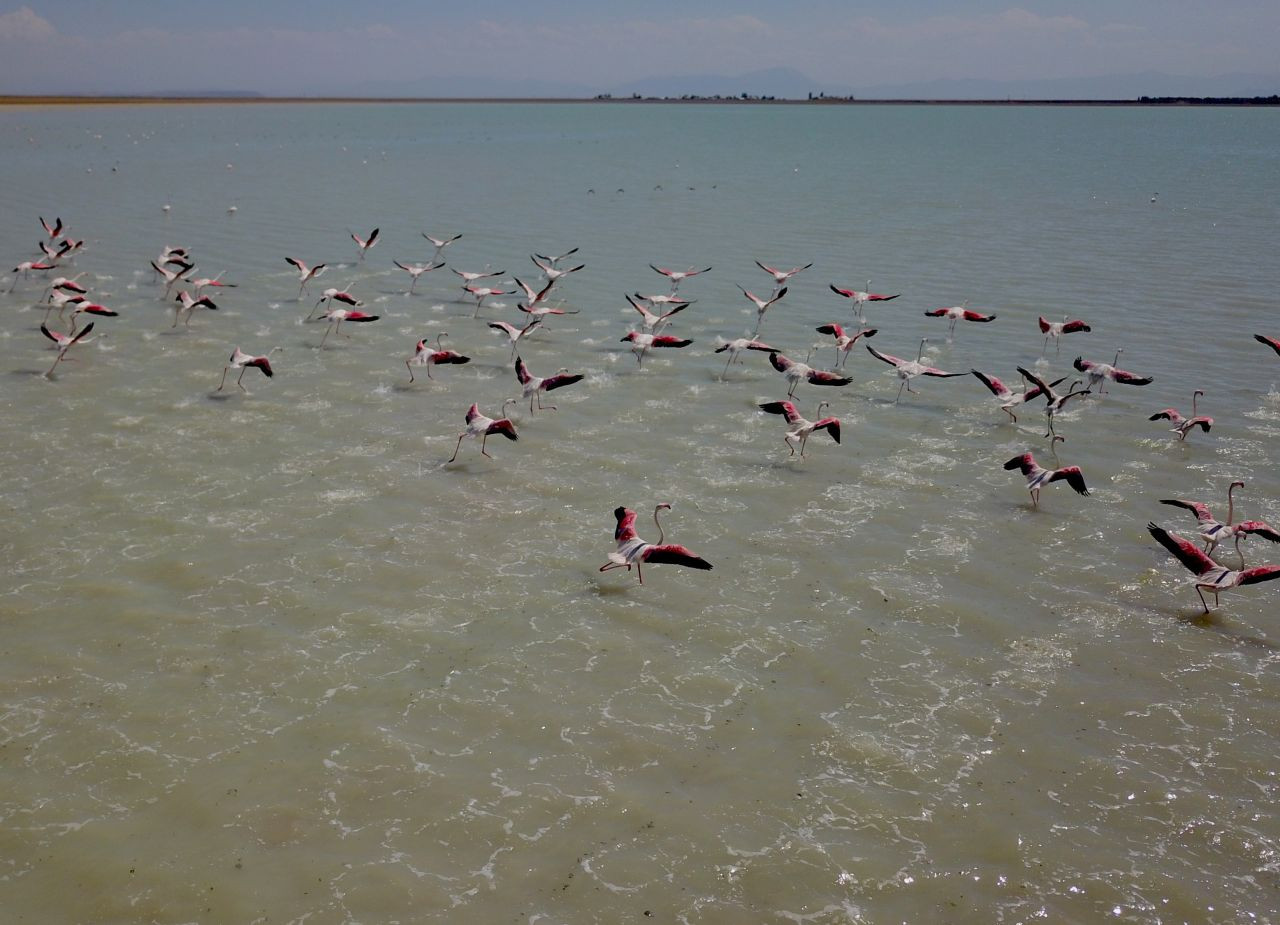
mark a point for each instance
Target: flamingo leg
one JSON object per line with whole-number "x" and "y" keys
{"x": 1010, "y": 413}
{"x": 1035, "y": 498}
{"x": 429, "y": 376}
{"x": 326, "y": 335}
{"x": 243, "y": 370}
{"x": 224, "y": 378}
{"x": 639, "y": 574}
{"x": 61, "y": 353}
{"x": 483, "y": 451}
{"x": 410, "y": 368}
{"x": 456, "y": 447}
{"x": 1202, "y": 600}
{"x": 900, "y": 388}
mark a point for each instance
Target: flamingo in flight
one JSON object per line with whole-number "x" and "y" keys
{"x": 479, "y": 425}
{"x": 365, "y": 243}
{"x": 1053, "y": 401}
{"x": 860, "y": 297}
{"x": 60, "y": 300}
{"x": 26, "y": 268}
{"x": 665, "y": 299}
{"x": 331, "y": 295}
{"x": 1212, "y": 531}
{"x": 762, "y": 305}
{"x": 1272, "y": 342}
{"x": 910, "y": 369}
{"x": 67, "y": 285}
{"x": 958, "y": 313}
{"x": 335, "y": 317}
{"x": 440, "y": 243}
{"x": 214, "y": 281}
{"x": 678, "y": 276}
{"x": 468, "y": 276}
{"x": 795, "y": 371}
{"x": 633, "y": 551}
{"x": 736, "y": 346}
{"x": 64, "y": 342}
{"x": 534, "y": 297}
{"x": 429, "y": 356}
{"x": 305, "y": 273}
{"x": 1008, "y": 398}
{"x": 85, "y": 307}
{"x": 780, "y": 277}
{"x": 553, "y": 273}
{"x": 555, "y": 261}
{"x": 844, "y": 341}
{"x": 54, "y": 231}
{"x": 513, "y": 333}
{"x": 654, "y": 322}
{"x": 1055, "y": 330}
{"x": 242, "y": 361}
{"x": 1038, "y": 476}
{"x": 798, "y": 428}
{"x": 1210, "y": 576}
{"x": 1097, "y": 372}
{"x": 532, "y": 386}
{"x": 641, "y": 343}
{"x": 1183, "y": 426}
{"x": 480, "y": 293}
{"x": 415, "y": 270}
{"x": 189, "y": 304}
{"x": 172, "y": 276}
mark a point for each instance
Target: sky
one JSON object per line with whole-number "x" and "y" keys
{"x": 320, "y": 46}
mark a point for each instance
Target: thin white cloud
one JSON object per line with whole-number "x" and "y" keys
{"x": 25, "y": 25}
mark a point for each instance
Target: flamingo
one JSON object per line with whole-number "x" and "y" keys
{"x": 172, "y": 276}
{"x": 534, "y": 297}
{"x": 844, "y": 343}
{"x": 1053, "y": 401}
{"x": 469, "y": 276}
{"x": 654, "y": 322}
{"x": 55, "y": 231}
{"x": 642, "y": 342}
{"x": 665, "y": 299}
{"x": 215, "y": 281}
{"x": 305, "y": 273}
{"x": 335, "y": 317}
{"x": 1100, "y": 371}
{"x": 242, "y": 361}
{"x": 1183, "y": 426}
{"x": 734, "y": 347}
{"x": 478, "y": 425}
{"x": 483, "y": 292}
{"x": 60, "y": 300}
{"x": 798, "y": 428}
{"x": 762, "y": 305}
{"x": 64, "y": 342}
{"x": 678, "y": 276}
{"x": 53, "y": 256}
{"x": 958, "y": 313}
{"x": 26, "y": 268}
{"x": 551, "y": 272}
{"x": 1056, "y": 329}
{"x": 1213, "y": 531}
{"x": 428, "y": 356}
{"x": 1010, "y": 399}
{"x": 365, "y": 243}
{"x": 1210, "y": 576}
{"x": 189, "y": 304}
{"x": 1038, "y": 476}
{"x": 513, "y": 333}
{"x": 555, "y": 261}
{"x": 415, "y": 270}
{"x": 910, "y": 369}
{"x": 1272, "y": 342}
{"x": 795, "y": 371}
{"x": 331, "y": 295}
{"x": 68, "y": 285}
{"x": 632, "y": 550}
{"x": 532, "y": 386}
{"x": 861, "y": 297}
{"x": 781, "y": 276}
{"x": 85, "y": 307}
{"x": 440, "y": 243}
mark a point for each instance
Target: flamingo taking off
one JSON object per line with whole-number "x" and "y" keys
{"x": 171, "y": 276}
{"x": 780, "y": 277}
{"x": 428, "y": 356}
{"x": 331, "y": 295}
{"x": 1272, "y": 342}
{"x": 483, "y": 292}
{"x": 335, "y": 317}
{"x": 910, "y": 369}
{"x": 242, "y": 361}
{"x": 1097, "y": 372}
{"x": 189, "y": 303}
{"x": 1055, "y": 330}
{"x": 440, "y": 243}
{"x": 641, "y": 343}
{"x": 1183, "y": 426}
{"x": 1053, "y": 400}
{"x": 555, "y": 261}
{"x": 513, "y": 333}
{"x": 736, "y": 346}
{"x": 1210, "y": 576}
{"x": 795, "y": 372}
{"x": 365, "y": 243}
{"x": 214, "y": 281}
{"x": 844, "y": 341}
{"x": 415, "y": 270}
{"x": 64, "y": 342}
{"x": 1213, "y": 531}
{"x": 553, "y": 273}
{"x": 652, "y": 321}
{"x": 677, "y": 276}
{"x": 478, "y": 425}
{"x": 1038, "y": 476}
{"x": 532, "y": 386}
{"x": 798, "y": 428}
{"x": 305, "y": 273}
{"x": 632, "y": 550}
{"x": 1008, "y": 398}
{"x": 762, "y": 305}
{"x": 860, "y": 297}
{"x": 958, "y": 313}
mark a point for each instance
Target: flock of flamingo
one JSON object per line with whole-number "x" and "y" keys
{"x": 186, "y": 291}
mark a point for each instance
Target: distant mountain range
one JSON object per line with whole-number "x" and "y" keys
{"x": 788, "y": 83}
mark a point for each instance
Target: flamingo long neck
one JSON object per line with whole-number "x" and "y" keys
{"x": 920, "y": 352}
{"x": 659, "y": 524}
{"x": 1194, "y": 396}
{"x": 1231, "y": 502}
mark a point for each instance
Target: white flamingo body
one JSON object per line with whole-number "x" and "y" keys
{"x": 633, "y": 551}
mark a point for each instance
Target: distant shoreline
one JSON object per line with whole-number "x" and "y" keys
{"x": 70, "y": 100}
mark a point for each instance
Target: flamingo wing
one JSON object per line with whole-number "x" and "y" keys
{"x": 626, "y": 528}
{"x": 1183, "y": 550}
{"x": 996, "y": 387}
{"x": 673, "y": 554}
{"x": 938, "y": 373}
{"x": 1195, "y": 507}
{"x": 1073, "y": 327}
{"x": 52, "y": 335}
{"x": 1083, "y": 365}
{"x": 1034, "y": 380}
{"x": 559, "y": 381}
{"x": 831, "y": 328}
{"x": 1045, "y": 326}
{"x": 1258, "y": 528}
{"x": 263, "y": 364}
{"x": 1271, "y": 342}
{"x": 473, "y": 412}
{"x": 1167, "y": 414}
{"x": 1128, "y": 378}
{"x": 877, "y": 297}
{"x": 1073, "y": 476}
{"x": 831, "y": 426}
{"x": 968, "y": 315}
{"x": 885, "y": 357}
{"x": 669, "y": 340}
{"x": 1026, "y": 463}
{"x": 822, "y": 377}
{"x": 1252, "y": 576}
{"x": 784, "y": 408}
{"x": 522, "y": 371}
{"x": 847, "y": 293}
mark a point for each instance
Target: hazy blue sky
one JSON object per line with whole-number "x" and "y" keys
{"x": 288, "y": 46}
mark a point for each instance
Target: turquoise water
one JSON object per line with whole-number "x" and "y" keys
{"x": 268, "y": 657}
